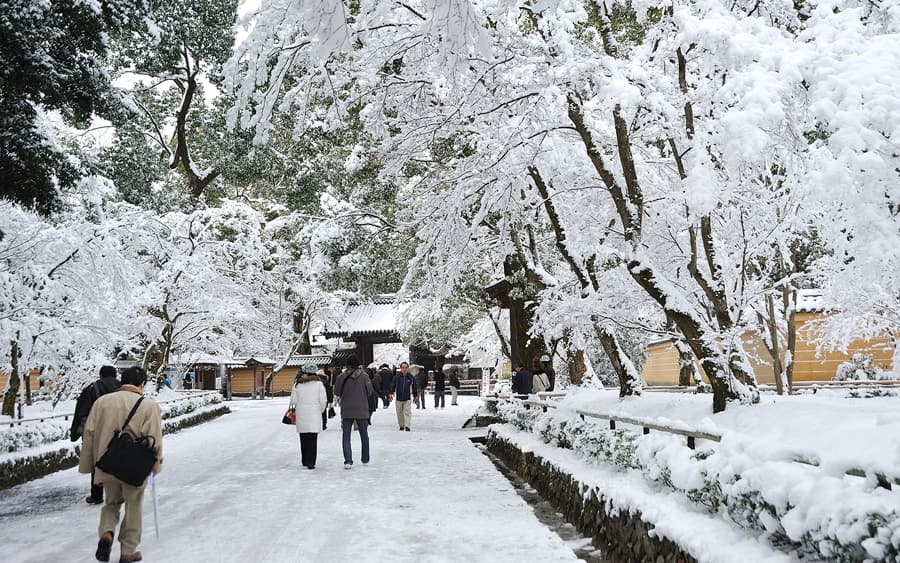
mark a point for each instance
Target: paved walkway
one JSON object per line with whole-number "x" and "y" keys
{"x": 233, "y": 490}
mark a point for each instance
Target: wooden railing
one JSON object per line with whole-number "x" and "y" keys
{"x": 883, "y": 480}
{"x": 67, "y": 415}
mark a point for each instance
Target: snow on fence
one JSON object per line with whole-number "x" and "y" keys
{"x": 786, "y": 499}
{"x": 189, "y": 395}
{"x": 883, "y": 480}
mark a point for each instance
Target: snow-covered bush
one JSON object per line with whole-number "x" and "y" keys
{"x": 859, "y": 367}
{"x": 791, "y": 505}
{"x": 17, "y": 438}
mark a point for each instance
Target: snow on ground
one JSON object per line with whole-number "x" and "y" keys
{"x": 233, "y": 490}
{"x": 706, "y": 537}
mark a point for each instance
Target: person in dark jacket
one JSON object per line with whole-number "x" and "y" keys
{"x": 440, "y": 382}
{"x": 329, "y": 395}
{"x": 403, "y": 389}
{"x": 521, "y": 381}
{"x": 106, "y": 384}
{"x": 454, "y": 386}
{"x": 353, "y": 391}
{"x": 548, "y": 369}
{"x": 421, "y": 384}
{"x": 387, "y": 382}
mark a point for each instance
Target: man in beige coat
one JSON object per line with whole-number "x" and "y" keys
{"x": 107, "y": 416}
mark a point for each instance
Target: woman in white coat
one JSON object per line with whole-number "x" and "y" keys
{"x": 309, "y": 400}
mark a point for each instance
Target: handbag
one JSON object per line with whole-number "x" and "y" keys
{"x": 331, "y": 413}
{"x": 129, "y": 459}
{"x": 290, "y": 416}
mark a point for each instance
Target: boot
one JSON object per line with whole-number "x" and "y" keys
{"x": 136, "y": 556}
{"x": 104, "y": 546}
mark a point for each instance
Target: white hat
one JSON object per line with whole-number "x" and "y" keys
{"x": 545, "y": 358}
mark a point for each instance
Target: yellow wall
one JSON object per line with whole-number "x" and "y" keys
{"x": 242, "y": 380}
{"x": 4, "y": 377}
{"x": 810, "y": 367}
{"x": 661, "y": 365}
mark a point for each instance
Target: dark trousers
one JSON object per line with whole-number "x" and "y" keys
{"x": 96, "y": 490}
{"x": 308, "y": 448}
{"x": 421, "y": 396}
{"x": 385, "y": 400}
{"x": 347, "y": 427}
{"x": 438, "y": 398}
{"x": 325, "y": 419}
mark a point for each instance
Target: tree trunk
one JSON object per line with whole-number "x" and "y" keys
{"x": 629, "y": 378}
{"x": 687, "y": 371}
{"x": 9, "y": 398}
{"x": 718, "y": 367}
{"x": 790, "y": 305}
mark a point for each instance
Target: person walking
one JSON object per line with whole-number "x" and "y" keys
{"x": 353, "y": 391}
{"x": 440, "y": 382}
{"x": 89, "y": 395}
{"x": 107, "y": 416}
{"x": 421, "y": 383}
{"x": 310, "y": 401}
{"x": 454, "y": 386}
{"x": 403, "y": 389}
{"x": 539, "y": 381}
{"x": 387, "y": 383}
{"x": 329, "y": 396}
{"x": 548, "y": 369}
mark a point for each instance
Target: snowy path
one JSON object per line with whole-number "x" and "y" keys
{"x": 233, "y": 490}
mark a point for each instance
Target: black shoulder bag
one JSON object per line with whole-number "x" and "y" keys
{"x": 129, "y": 459}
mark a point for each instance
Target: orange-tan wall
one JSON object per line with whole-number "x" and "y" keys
{"x": 810, "y": 367}
{"x": 661, "y": 365}
{"x": 4, "y": 377}
{"x": 242, "y": 380}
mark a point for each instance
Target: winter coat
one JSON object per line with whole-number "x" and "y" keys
{"x": 387, "y": 380}
{"x": 86, "y": 400}
{"x": 551, "y": 377}
{"x": 354, "y": 390}
{"x": 329, "y": 392}
{"x": 422, "y": 380}
{"x": 454, "y": 380}
{"x": 107, "y": 416}
{"x": 539, "y": 382}
{"x": 522, "y": 382}
{"x": 309, "y": 399}
{"x": 404, "y": 387}
{"x": 440, "y": 382}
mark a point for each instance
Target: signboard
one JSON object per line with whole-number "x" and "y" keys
{"x": 485, "y": 382}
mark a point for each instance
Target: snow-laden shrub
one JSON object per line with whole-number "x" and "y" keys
{"x": 17, "y": 438}
{"x": 859, "y": 367}
{"x": 33, "y": 434}
{"x": 750, "y": 493}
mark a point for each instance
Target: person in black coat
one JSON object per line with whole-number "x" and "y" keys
{"x": 548, "y": 369}
{"x": 454, "y": 386}
{"x": 89, "y": 395}
{"x": 329, "y": 394}
{"x": 387, "y": 383}
{"x": 521, "y": 381}
{"x": 440, "y": 382}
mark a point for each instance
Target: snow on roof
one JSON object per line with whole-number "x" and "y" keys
{"x": 377, "y": 316}
{"x": 810, "y": 300}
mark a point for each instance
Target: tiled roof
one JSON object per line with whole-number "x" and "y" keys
{"x": 377, "y": 316}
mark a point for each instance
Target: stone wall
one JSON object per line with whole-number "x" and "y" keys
{"x": 622, "y": 537}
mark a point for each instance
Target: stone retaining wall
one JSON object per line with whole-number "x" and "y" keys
{"x": 21, "y": 470}
{"x": 622, "y": 537}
